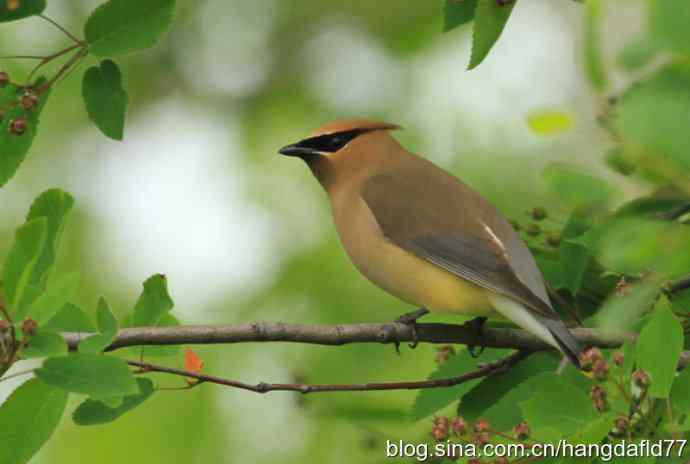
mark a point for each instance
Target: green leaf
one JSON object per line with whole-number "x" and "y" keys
{"x": 153, "y": 303}
{"x": 15, "y": 147}
{"x": 658, "y": 348}
{"x": 594, "y": 63}
{"x": 107, "y": 326}
{"x": 54, "y": 205}
{"x": 159, "y": 351}
{"x": 549, "y": 122}
{"x": 668, "y": 20}
{"x": 13, "y": 10}
{"x": 595, "y": 431}
{"x": 651, "y": 119}
{"x": 105, "y": 98}
{"x": 617, "y": 160}
{"x": 123, "y": 26}
{"x": 92, "y": 412}
{"x": 490, "y": 18}
{"x": 621, "y": 312}
{"x": 457, "y": 12}
{"x": 680, "y": 392}
{"x": 28, "y": 419}
{"x": 429, "y": 401}
{"x": 577, "y": 189}
{"x": 44, "y": 344}
{"x": 29, "y": 242}
{"x": 637, "y": 53}
{"x": 559, "y": 405}
{"x": 90, "y": 374}
{"x": 496, "y": 398}
{"x": 54, "y": 298}
{"x": 574, "y": 257}
{"x": 70, "y": 318}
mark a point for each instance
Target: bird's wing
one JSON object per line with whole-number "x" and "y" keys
{"x": 450, "y": 225}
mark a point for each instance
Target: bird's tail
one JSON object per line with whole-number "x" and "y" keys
{"x": 567, "y": 343}
{"x": 552, "y": 331}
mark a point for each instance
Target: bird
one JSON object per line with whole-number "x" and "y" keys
{"x": 423, "y": 235}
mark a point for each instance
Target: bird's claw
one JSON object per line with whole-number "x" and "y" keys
{"x": 410, "y": 319}
{"x": 476, "y": 325}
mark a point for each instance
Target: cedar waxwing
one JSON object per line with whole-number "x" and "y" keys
{"x": 424, "y": 236}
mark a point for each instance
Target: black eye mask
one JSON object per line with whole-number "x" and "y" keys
{"x": 327, "y": 143}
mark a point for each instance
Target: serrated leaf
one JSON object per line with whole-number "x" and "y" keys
{"x": 490, "y": 18}
{"x": 668, "y": 20}
{"x": 92, "y": 412}
{"x": 29, "y": 242}
{"x": 457, "y": 12}
{"x": 28, "y": 419}
{"x": 44, "y": 344}
{"x": 90, "y": 374}
{"x": 496, "y": 398}
{"x": 594, "y": 63}
{"x": 153, "y": 302}
{"x": 549, "y": 122}
{"x": 11, "y": 10}
{"x": 658, "y": 348}
{"x": 105, "y": 98}
{"x": 559, "y": 405}
{"x": 70, "y": 318}
{"x": 53, "y": 298}
{"x": 123, "y": 26}
{"x": 429, "y": 401}
{"x": 15, "y": 147}
{"x": 620, "y": 312}
{"x": 107, "y": 326}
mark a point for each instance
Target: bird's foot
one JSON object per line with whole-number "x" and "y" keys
{"x": 410, "y": 319}
{"x": 476, "y": 325}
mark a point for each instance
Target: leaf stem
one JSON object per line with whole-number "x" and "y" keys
{"x": 61, "y": 28}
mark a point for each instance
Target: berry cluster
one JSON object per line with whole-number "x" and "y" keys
{"x": 534, "y": 229}
{"x": 27, "y": 102}
{"x": 479, "y": 433}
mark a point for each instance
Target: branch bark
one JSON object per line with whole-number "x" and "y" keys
{"x": 343, "y": 334}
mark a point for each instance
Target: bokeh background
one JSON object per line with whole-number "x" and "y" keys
{"x": 198, "y": 192}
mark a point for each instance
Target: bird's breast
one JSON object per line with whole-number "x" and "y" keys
{"x": 399, "y": 272}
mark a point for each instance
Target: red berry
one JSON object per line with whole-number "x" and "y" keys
{"x": 481, "y": 439}
{"x": 621, "y": 423}
{"x": 640, "y": 378}
{"x": 439, "y": 432}
{"x": 618, "y": 358}
{"x": 600, "y": 369}
{"x": 17, "y": 126}
{"x": 458, "y": 426}
{"x": 521, "y": 431}
{"x": 482, "y": 425}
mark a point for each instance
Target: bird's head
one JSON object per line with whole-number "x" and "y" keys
{"x": 335, "y": 137}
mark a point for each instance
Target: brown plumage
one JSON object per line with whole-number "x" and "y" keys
{"x": 423, "y": 235}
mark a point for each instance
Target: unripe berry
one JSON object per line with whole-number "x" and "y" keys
{"x": 481, "y": 439}
{"x": 600, "y": 369}
{"x": 621, "y": 423}
{"x": 618, "y": 358}
{"x": 640, "y": 378}
{"x": 553, "y": 240}
{"x": 597, "y": 392}
{"x": 538, "y": 213}
{"x": 28, "y": 101}
{"x": 482, "y": 425}
{"x": 29, "y": 326}
{"x": 533, "y": 229}
{"x": 439, "y": 433}
{"x": 458, "y": 426}
{"x": 17, "y": 126}
{"x": 521, "y": 431}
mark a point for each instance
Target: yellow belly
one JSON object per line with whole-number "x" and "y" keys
{"x": 401, "y": 273}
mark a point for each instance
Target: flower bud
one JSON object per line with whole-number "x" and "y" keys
{"x": 640, "y": 378}
{"x": 482, "y": 425}
{"x": 29, "y": 327}
{"x": 618, "y": 358}
{"x": 28, "y": 101}
{"x": 17, "y": 126}
{"x": 538, "y": 213}
{"x": 521, "y": 431}
{"x": 600, "y": 369}
{"x": 458, "y": 426}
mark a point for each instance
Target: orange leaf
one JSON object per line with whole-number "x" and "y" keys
{"x": 192, "y": 362}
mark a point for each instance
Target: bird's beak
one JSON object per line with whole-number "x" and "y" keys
{"x": 296, "y": 149}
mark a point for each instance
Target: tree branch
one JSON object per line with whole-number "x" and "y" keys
{"x": 483, "y": 371}
{"x": 345, "y": 333}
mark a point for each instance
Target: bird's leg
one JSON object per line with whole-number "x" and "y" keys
{"x": 410, "y": 319}
{"x": 477, "y": 326}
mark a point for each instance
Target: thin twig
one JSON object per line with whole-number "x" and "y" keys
{"x": 65, "y": 31}
{"x": 263, "y": 387}
{"x": 65, "y": 67}
{"x": 47, "y": 59}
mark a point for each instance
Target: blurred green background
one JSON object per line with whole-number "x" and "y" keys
{"x": 197, "y": 191}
